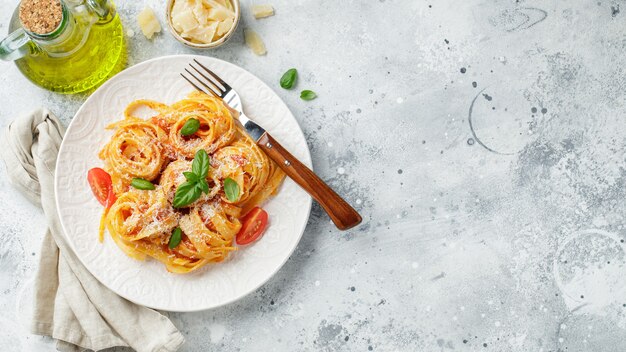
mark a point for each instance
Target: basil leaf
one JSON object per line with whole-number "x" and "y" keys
{"x": 231, "y": 188}
{"x": 200, "y": 165}
{"x": 190, "y": 127}
{"x": 190, "y": 176}
{"x": 177, "y": 235}
{"x": 308, "y": 95}
{"x": 140, "y": 183}
{"x": 186, "y": 194}
{"x": 289, "y": 78}
{"x": 204, "y": 186}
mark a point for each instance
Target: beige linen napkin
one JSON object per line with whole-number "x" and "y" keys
{"x": 70, "y": 304}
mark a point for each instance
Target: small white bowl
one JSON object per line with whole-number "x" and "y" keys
{"x": 215, "y": 44}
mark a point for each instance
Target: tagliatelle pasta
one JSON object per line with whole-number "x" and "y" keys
{"x": 141, "y": 221}
{"x": 135, "y": 150}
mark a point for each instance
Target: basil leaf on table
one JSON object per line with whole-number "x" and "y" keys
{"x": 308, "y": 95}
{"x": 186, "y": 194}
{"x": 289, "y": 78}
{"x": 231, "y": 189}
{"x": 200, "y": 165}
{"x": 177, "y": 235}
{"x": 190, "y": 127}
{"x": 140, "y": 183}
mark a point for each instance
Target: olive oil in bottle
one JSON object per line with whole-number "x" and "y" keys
{"x": 80, "y": 54}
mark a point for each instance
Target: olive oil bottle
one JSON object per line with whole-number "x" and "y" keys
{"x": 83, "y": 52}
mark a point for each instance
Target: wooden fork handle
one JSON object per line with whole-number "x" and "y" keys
{"x": 340, "y": 212}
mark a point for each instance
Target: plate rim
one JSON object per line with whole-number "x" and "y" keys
{"x": 308, "y": 163}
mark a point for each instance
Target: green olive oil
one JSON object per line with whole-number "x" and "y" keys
{"x": 102, "y": 55}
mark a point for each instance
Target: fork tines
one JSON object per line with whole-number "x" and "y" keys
{"x": 212, "y": 82}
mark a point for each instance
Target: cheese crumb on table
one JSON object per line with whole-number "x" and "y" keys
{"x": 254, "y": 42}
{"x": 148, "y": 22}
{"x": 262, "y": 11}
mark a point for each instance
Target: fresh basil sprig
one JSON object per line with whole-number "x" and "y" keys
{"x": 190, "y": 191}
{"x": 308, "y": 95}
{"x": 140, "y": 183}
{"x": 289, "y": 78}
{"x": 231, "y": 189}
{"x": 177, "y": 235}
{"x": 190, "y": 127}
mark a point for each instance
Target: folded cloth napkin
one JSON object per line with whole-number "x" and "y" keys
{"x": 70, "y": 304}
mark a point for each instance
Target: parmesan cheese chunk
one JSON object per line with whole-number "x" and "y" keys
{"x": 226, "y": 3}
{"x": 262, "y": 11}
{"x": 254, "y": 42}
{"x": 202, "y": 34}
{"x": 185, "y": 21}
{"x": 219, "y": 13}
{"x": 224, "y": 26}
{"x": 201, "y": 13}
{"x": 148, "y": 22}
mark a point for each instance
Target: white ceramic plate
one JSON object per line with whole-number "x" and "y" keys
{"x": 148, "y": 283}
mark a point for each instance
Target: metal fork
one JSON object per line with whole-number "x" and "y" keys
{"x": 342, "y": 214}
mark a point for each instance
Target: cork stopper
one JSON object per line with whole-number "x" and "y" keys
{"x": 41, "y": 16}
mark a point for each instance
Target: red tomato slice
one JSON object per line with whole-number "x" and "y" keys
{"x": 254, "y": 224}
{"x": 101, "y": 186}
{"x": 111, "y": 198}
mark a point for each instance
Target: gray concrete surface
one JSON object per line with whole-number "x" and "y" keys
{"x": 483, "y": 141}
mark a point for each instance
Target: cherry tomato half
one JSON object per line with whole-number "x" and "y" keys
{"x": 254, "y": 224}
{"x": 101, "y": 186}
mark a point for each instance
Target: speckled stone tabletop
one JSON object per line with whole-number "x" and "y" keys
{"x": 484, "y": 143}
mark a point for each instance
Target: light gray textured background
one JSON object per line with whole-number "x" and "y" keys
{"x": 494, "y": 211}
